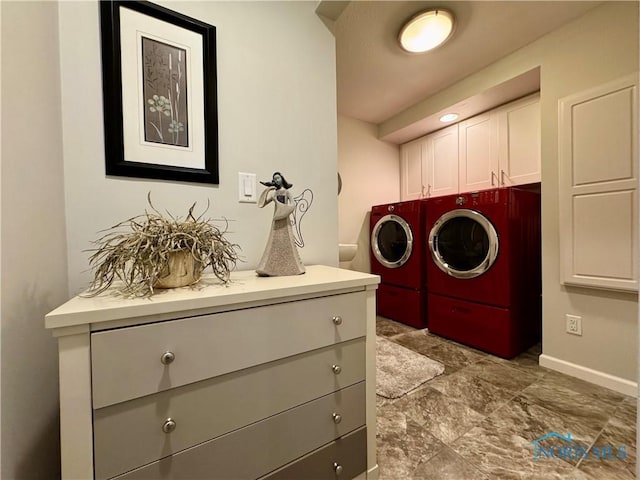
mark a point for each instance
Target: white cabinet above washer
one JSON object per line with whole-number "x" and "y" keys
{"x": 494, "y": 149}
{"x": 429, "y": 165}
{"x": 519, "y": 142}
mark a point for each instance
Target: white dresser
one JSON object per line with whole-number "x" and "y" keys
{"x": 264, "y": 378}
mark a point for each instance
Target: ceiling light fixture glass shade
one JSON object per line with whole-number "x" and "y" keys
{"x": 448, "y": 117}
{"x": 426, "y": 30}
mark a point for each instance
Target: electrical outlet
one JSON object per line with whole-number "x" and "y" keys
{"x": 574, "y": 324}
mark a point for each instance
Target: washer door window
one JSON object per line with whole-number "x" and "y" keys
{"x": 392, "y": 241}
{"x": 463, "y": 243}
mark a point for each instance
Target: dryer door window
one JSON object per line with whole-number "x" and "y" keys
{"x": 392, "y": 241}
{"x": 463, "y": 243}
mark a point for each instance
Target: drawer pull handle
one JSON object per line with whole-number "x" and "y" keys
{"x": 169, "y": 425}
{"x": 337, "y": 418}
{"x": 336, "y": 369}
{"x": 337, "y": 468}
{"x": 337, "y": 320}
{"x": 167, "y": 358}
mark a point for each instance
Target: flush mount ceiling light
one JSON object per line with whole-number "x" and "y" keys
{"x": 426, "y": 30}
{"x": 448, "y": 117}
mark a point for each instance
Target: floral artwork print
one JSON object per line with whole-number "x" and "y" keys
{"x": 164, "y": 93}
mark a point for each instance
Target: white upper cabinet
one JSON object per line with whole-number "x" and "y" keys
{"x": 442, "y": 162}
{"x": 478, "y": 161}
{"x": 413, "y": 156}
{"x": 519, "y": 142}
{"x": 597, "y": 142}
{"x": 499, "y": 148}
{"x": 429, "y": 165}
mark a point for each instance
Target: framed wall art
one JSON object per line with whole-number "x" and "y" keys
{"x": 159, "y": 92}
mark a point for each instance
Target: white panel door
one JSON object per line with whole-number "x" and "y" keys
{"x": 442, "y": 164}
{"x": 412, "y": 161}
{"x": 478, "y": 153}
{"x": 519, "y": 142}
{"x": 598, "y": 186}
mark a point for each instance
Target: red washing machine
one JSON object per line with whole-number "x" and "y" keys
{"x": 398, "y": 256}
{"x": 484, "y": 271}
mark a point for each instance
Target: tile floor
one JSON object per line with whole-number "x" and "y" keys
{"x": 479, "y": 419}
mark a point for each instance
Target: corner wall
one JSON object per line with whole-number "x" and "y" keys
{"x": 370, "y": 172}
{"x": 276, "y": 112}
{"x": 34, "y": 271}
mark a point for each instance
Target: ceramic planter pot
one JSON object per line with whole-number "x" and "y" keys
{"x": 181, "y": 270}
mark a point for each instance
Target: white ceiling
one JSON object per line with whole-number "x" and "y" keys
{"x": 376, "y": 80}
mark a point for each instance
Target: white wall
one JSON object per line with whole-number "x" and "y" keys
{"x": 276, "y": 111}
{"x": 370, "y": 172}
{"x": 34, "y": 279}
{"x": 596, "y": 48}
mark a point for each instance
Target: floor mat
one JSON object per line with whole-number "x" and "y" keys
{"x": 400, "y": 370}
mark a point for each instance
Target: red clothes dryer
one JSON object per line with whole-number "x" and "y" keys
{"x": 398, "y": 250}
{"x": 484, "y": 270}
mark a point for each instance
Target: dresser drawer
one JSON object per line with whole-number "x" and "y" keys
{"x": 130, "y": 434}
{"x": 127, "y": 362}
{"x": 262, "y": 447}
{"x": 344, "y": 458}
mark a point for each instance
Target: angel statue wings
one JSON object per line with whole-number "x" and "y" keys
{"x": 281, "y": 256}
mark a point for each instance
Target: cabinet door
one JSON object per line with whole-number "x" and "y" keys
{"x": 478, "y": 153}
{"x": 442, "y": 162}
{"x": 598, "y": 186}
{"x": 519, "y": 142}
{"x": 412, "y": 157}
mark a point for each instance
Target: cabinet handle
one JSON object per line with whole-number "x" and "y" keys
{"x": 502, "y": 177}
{"x": 336, "y": 369}
{"x": 493, "y": 174}
{"x": 428, "y": 190}
{"x": 167, "y": 358}
{"x": 337, "y": 320}
{"x": 337, "y": 418}
{"x": 337, "y": 468}
{"x": 169, "y": 425}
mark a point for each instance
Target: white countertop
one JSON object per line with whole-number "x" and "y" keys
{"x": 245, "y": 286}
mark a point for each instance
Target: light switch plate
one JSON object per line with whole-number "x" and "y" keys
{"x": 247, "y": 187}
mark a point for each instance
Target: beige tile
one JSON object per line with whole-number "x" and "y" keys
{"x": 535, "y": 349}
{"x": 607, "y": 459}
{"x": 447, "y": 465}
{"x": 452, "y": 355}
{"x": 621, "y": 427}
{"x": 444, "y": 417}
{"x": 500, "y": 375}
{"x": 480, "y": 419}
{"x": 402, "y": 443}
{"x": 526, "y": 362}
{"x": 498, "y": 455}
{"x": 389, "y": 328}
{"x": 503, "y": 454}
{"x": 584, "y": 408}
{"x": 531, "y": 421}
{"x": 590, "y": 390}
{"x": 476, "y": 393}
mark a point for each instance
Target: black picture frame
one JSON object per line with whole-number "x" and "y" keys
{"x": 119, "y": 160}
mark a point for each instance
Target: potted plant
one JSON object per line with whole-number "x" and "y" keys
{"x": 152, "y": 251}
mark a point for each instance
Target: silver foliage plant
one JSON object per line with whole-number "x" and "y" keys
{"x": 136, "y": 251}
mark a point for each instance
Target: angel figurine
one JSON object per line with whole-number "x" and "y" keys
{"x": 280, "y": 256}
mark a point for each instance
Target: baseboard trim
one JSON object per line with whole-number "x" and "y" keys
{"x": 612, "y": 382}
